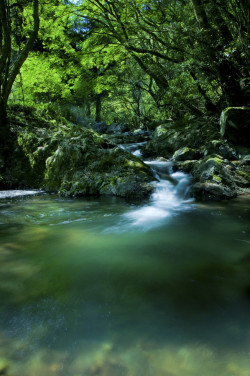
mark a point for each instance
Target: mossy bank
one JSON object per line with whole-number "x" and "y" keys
{"x": 220, "y": 169}
{"x": 63, "y": 157}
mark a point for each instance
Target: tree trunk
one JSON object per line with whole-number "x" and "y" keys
{"x": 5, "y": 143}
{"x": 210, "y": 106}
{"x": 98, "y": 107}
{"x": 3, "y": 116}
{"x": 228, "y": 72}
{"x": 9, "y": 72}
{"x": 9, "y": 69}
{"x": 88, "y": 109}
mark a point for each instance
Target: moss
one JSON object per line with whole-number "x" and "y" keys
{"x": 72, "y": 161}
{"x": 104, "y": 164}
{"x": 215, "y": 158}
{"x": 216, "y": 178}
{"x": 81, "y": 166}
{"x": 244, "y": 174}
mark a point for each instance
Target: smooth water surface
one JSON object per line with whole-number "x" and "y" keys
{"x": 87, "y": 288}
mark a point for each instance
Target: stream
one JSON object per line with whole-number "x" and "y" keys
{"x": 108, "y": 286}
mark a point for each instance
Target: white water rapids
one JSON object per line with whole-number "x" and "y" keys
{"x": 19, "y": 193}
{"x": 169, "y": 197}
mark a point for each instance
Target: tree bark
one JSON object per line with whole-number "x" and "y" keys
{"x": 9, "y": 72}
{"x": 98, "y": 107}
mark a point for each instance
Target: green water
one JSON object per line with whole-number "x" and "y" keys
{"x": 85, "y": 290}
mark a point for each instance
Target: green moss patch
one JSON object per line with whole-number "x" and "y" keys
{"x": 72, "y": 160}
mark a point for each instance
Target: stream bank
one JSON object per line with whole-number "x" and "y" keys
{"x": 77, "y": 161}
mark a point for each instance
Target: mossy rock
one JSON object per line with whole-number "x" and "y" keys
{"x": 235, "y": 125}
{"x": 79, "y": 168}
{"x": 219, "y": 177}
{"x": 159, "y": 147}
{"x": 214, "y": 165}
{"x": 127, "y": 186}
{"x": 242, "y": 176}
{"x": 192, "y": 135}
{"x": 185, "y": 166}
{"x": 222, "y": 148}
{"x": 73, "y": 161}
{"x": 212, "y": 191}
{"x": 185, "y": 153}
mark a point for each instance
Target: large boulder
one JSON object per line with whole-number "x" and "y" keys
{"x": 169, "y": 138}
{"x": 209, "y": 191}
{"x": 216, "y": 178}
{"x": 214, "y": 168}
{"x": 235, "y": 125}
{"x": 72, "y": 160}
{"x": 82, "y": 166}
{"x": 157, "y": 147}
{"x": 222, "y": 148}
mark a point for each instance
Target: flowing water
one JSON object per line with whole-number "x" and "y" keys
{"x": 113, "y": 287}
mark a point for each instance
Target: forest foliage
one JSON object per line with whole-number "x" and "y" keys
{"x": 135, "y": 61}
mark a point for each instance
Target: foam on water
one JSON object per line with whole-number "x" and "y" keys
{"x": 166, "y": 200}
{"x": 170, "y": 195}
{"x": 19, "y": 193}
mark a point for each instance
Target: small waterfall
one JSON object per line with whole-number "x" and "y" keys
{"x": 169, "y": 196}
{"x": 133, "y": 148}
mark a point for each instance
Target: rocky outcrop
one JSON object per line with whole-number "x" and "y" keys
{"x": 172, "y": 137}
{"x": 216, "y": 178}
{"x": 209, "y": 191}
{"x": 77, "y": 161}
{"x": 85, "y": 166}
{"x": 222, "y": 148}
{"x": 219, "y": 169}
{"x": 72, "y": 160}
{"x": 120, "y": 133}
{"x": 235, "y": 125}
